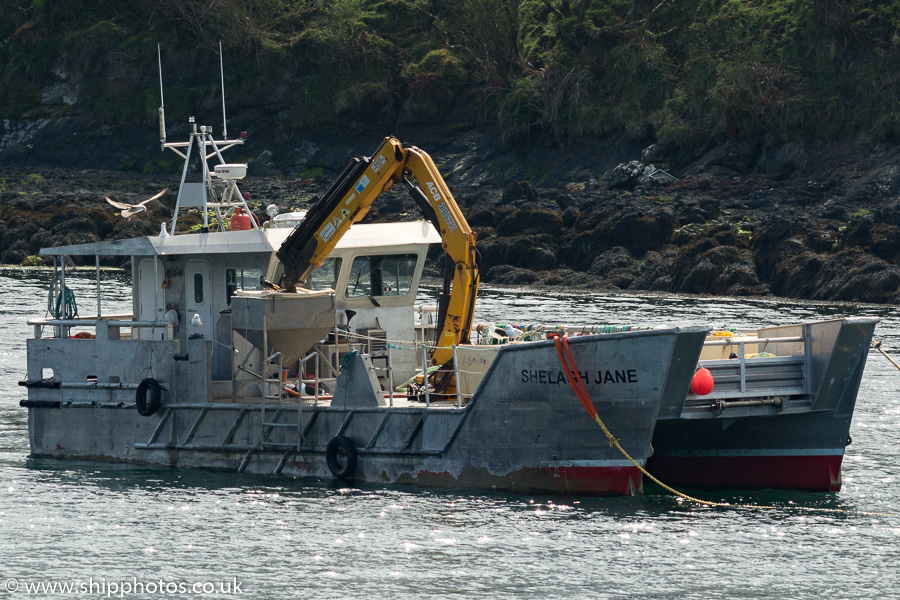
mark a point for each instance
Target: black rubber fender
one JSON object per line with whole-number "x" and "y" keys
{"x": 341, "y": 456}
{"x": 148, "y": 397}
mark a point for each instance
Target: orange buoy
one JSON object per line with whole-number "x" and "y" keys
{"x": 702, "y": 382}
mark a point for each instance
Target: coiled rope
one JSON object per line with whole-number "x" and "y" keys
{"x": 61, "y": 302}
{"x": 346, "y": 367}
{"x": 574, "y": 379}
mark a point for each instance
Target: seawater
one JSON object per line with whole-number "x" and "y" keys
{"x": 114, "y": 530}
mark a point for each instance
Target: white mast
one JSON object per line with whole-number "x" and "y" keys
{"x": 222, "y": 75}
{"x": 218, "y": 189}
{"x": 162, "y": 103}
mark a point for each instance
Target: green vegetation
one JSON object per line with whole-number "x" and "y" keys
{"x": 213, "y": 224}
{"x": 310, "y": 173}
{"x": 537, "y": 175}
{"x": 33, "y": 261}
{"x": 680, "y": 73}
{"x": 158, "y": 166}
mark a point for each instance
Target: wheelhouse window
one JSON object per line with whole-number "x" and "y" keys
{"x": 324, "y": 277}
{"x": 241, "y": 279}
{"x": 389, "y": 275}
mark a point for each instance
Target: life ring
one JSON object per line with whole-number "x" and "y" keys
{"x": 148, "y": 397}
{"x": 82, "y": 335}
{"x": 341, "y": 456}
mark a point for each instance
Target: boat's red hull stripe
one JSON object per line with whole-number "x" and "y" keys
{"x": 811, "y": 472}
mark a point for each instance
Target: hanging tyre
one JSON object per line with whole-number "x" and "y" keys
{"x": 148, "y": 397}
{"x": 341, "y": 456}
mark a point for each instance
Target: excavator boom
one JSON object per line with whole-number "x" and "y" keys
{"x": 457, "y": 305}
{"x": 344, "y": 203}
{"x": 349, "y": 199}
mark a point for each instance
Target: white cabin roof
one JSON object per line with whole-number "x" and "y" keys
{"x": 375, "y": 235}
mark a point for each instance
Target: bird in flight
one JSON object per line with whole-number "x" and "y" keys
{"x": 129, "y": 210}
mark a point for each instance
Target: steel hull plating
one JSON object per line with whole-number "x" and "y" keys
{"x": 786, "y": 430}
{"x": 523, "y": 430}
{"x": 800, "y": 452}
{"x": 84, "y": 433}
{"x": 811, "y": 472}
{"x": 604, "y": 478}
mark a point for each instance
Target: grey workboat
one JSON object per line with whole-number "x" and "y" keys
{"x": 296, "y": 347}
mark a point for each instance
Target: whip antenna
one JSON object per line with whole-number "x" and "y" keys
{"x": 162, "y": 102}
{"x": 222, "y": 74}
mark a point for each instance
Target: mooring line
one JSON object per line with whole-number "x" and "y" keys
{"x": 574, "y": 379}
{"x": 877, "y": 346}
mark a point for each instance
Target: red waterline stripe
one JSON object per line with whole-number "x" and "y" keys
{"x": 820, "y": 473}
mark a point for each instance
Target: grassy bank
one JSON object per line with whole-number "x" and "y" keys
{"x": 683, "y": 73}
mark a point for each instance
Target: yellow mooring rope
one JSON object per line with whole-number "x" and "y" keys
{"x": 574, "y": 378}
{"x": 877, "y": 346}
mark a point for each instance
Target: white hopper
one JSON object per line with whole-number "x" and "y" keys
{"x": 291, "y": 323}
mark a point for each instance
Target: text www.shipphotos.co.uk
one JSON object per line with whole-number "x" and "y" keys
{"x": 121, "y": 589}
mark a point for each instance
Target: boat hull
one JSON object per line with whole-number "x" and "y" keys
{"x": 85, "y": 433}
{"x": 783, "y": 425}
{"x": 815, "y": 471}
{"x": 801, "y": 451}
{"x": 523, "y": 430}
{"x": 603, "y": 478}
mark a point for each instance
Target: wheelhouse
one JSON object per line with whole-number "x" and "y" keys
{"x": 183, "y": 288}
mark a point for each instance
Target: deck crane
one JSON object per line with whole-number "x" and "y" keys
{"x": 347, "y": 201}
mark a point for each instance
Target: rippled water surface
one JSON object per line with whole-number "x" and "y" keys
{"x": 110, "y": 529}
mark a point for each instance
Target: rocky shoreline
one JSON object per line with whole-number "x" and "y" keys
{"x": 817, "y": 222}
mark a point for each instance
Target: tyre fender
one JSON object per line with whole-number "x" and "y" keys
{"x": 341, "y": 456}
{"x": 148, "y": 397}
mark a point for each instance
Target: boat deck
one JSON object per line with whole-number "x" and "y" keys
{"x": 326, "y": 401}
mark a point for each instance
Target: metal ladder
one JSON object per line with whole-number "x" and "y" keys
{"x": 272, "y": 394}
{"x": 272, "y": 391}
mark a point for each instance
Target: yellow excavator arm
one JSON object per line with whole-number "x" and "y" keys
{"x": 348, "y": 200}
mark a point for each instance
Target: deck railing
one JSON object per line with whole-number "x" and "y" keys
{"x": 105, "y": 328}
{"x": 742, "y": 375}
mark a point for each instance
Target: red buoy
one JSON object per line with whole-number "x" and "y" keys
{"x": 240, "y": 221}
{"x": 702, "y": 382}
